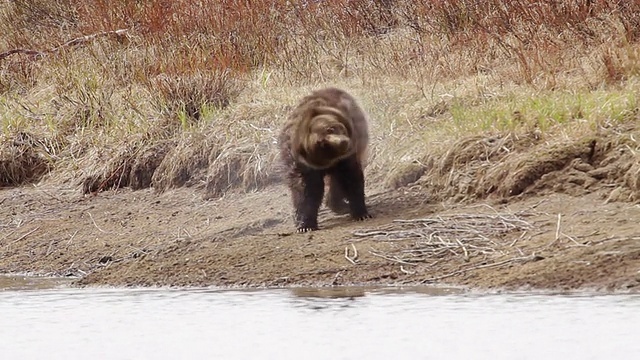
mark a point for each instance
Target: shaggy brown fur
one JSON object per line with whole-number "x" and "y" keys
{"x": 325, "y": 136}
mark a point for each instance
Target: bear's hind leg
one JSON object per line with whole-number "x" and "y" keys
{"x": 349, "y": 175}
{"x": 336, "y": 197}
{"x": 307, "y": 192}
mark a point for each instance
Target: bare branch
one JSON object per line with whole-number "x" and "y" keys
{"x": 72, "y": 42}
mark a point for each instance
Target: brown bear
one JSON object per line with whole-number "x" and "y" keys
{"x": 325, "y": 136}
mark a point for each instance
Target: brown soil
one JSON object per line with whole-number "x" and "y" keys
{"x": 577, "y": 202}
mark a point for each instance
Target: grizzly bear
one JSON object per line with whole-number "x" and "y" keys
{"x": 325, "y": 137}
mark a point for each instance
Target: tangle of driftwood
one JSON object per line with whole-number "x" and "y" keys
{"x": 72, "y": 42}
{"x": 429, "y": 240}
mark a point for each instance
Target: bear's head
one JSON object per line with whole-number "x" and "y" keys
{"x": 324, "y": 138}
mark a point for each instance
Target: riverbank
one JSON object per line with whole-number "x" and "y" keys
{"x": 126, "y": 238}
{"x": 137, "y": 142}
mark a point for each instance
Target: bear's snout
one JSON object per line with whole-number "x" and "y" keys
{"x": 338, "y": 142}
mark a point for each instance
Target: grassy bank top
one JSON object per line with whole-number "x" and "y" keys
{"x": 183, "y": 92}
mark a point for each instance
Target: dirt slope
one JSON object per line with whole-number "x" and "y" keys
{"x": 571, "y": 224}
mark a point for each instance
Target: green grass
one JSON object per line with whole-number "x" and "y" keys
{"x": 547, "y": 109}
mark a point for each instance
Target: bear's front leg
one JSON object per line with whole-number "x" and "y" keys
{"x": 351, "y": 178}
{"x": 336, "y": 197}
{"x": 307, "y": 197}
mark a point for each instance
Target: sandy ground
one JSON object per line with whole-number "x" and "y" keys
{"x": 139, "y": 238}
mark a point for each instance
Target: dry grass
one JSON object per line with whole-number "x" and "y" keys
{"x": 24, "y": 158}
{"x": 193, "y": 93}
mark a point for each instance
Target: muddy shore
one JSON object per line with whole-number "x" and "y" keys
{"x": 140, "y": 238}
{"x": 509, "y": 212}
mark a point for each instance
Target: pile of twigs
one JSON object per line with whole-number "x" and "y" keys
{"x": 431, "y": 239}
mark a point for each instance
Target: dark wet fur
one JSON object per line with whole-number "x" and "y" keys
{"x": 307, "y": 190}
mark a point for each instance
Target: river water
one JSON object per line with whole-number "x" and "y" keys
{"x": 41, "y": 322}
